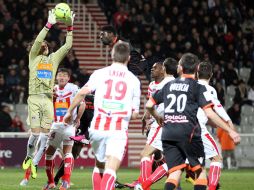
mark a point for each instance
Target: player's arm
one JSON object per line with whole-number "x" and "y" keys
{"x": 219, "y": 109}
{"x": 89, "y": 87}
{"x": 80, "y": 96}
{"x": 136, "y": 101}
{"x": 205, "y": 102}
{"x": 35, "y": 49}
{"x": 156, "y": 99}
{"x": 81, "y": 110}
{"x": 59, "y": 55}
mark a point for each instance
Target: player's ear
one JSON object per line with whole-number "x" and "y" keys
{"x": 129, "y": 58}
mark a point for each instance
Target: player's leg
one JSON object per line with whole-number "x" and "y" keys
{"x": 98, "y": 144}
{"x": 34, "y": 122}
{"x": 146, "y": 162}
{"x": 175, "y": 159}
{"x": 196, "y": 158}
{"x": 75, "y": 152}
{"x": 47, "y": 114}
{"x": 212, "y": 153}
{"x": 68, "y": 156}
{"x": 115, "y": 151}
{"x": 50, "y": 164}
{"x": 158, "y": 174}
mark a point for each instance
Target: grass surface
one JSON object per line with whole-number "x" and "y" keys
{"x": 230, "y": 180}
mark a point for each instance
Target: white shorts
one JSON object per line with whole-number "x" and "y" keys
{"x": 108, "y": 143}
{"x": 60, "y": 134}
{"x": 154, "y": 138}
{"x": 210, "y": 146}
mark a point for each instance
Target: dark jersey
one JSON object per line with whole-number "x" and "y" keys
{"x": 181, "y": 97}
{"x": 88, "y": 114}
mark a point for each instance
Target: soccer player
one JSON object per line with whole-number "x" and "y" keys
{"x": 117, "y": 99}
{"x": 80, "y": 139}
{"x": 60, "y": 133}
{"x": 181, "y": 135}
{"x": 204, "y": 75}
{"x": 162, "y": 74}
{"x": 109, "y": 37}
{"x": 43, "y": 67}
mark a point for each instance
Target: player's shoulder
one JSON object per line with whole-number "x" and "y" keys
{"x": 71, "y": 86}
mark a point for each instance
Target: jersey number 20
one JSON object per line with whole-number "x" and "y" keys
{"x": 180, "y": 102}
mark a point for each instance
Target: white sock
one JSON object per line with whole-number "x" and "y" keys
{"x": 41, "y": 149}
{"x": 31, "y": 143}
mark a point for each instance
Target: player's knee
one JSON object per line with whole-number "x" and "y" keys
{"x": 68, "y": 155}
{"x": 99, "y": 165}
{"x": 49, "y": 157}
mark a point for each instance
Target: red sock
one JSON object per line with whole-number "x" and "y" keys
{"x": 214, "y": 175}
{"x": 50, "y": 170}
{"x": 27, "y": 173}
{"x": 145, "y": 168}
{"x": 96, "y": 178}
{"x": 68, "y": 165}
{"x": 108, "y": 180}
{"x": 159, "y": 173}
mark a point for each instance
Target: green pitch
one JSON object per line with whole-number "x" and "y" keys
{"x": 230, "y": 180}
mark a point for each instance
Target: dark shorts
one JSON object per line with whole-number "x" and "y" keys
{"x": 180, "y": 154}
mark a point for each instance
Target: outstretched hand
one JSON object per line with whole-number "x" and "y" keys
{"x": 70, "y": 20}
{"x": 51, "y": 17}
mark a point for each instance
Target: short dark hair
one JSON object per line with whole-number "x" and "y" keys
{"x": 170, "y": 65}
{"x": 109, "y": 28}
{"x": 64, "y": 70}
{"x": 189, "y": 63}
{"x": 205, "y": 70}
{"x": 121, "y": 52}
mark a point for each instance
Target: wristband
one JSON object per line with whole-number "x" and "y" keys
{"x": 48, "y": 25}
{"x": 70, "y": 28}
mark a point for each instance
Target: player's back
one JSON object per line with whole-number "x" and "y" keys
{"x": 117, "y": 94}
{"x": 181, "y": 98}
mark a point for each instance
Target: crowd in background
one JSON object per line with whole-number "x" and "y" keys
{"x": 219, "y": 31}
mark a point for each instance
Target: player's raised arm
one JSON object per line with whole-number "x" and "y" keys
{"x": 36, "y": 47}
{"x": 59, "y": 55}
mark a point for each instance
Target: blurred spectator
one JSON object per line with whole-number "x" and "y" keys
{"x": 17, "y": 124}
{"x": 241, "y": 93}
{"x": 228, "y": 149}
{"x": 5, "y": 121}
{"x": 71, "y": 61}
{"x": 251, "y": 94}
{"x": 82, "y": 77}
{"x": 230, "y": 75}
{"x": 220, "y": 93}
{"x": 234, "y": 113}
{"x": 119, "y": 17}
{"x": 4, "y": 91}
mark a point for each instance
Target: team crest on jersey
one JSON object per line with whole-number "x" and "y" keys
{"x": 44, "y": 70}
{"x": 61, "y": 108}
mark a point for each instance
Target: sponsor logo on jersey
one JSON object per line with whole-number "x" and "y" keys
{"x": 61, "y": 108}
{"x": 44, "y": 71}
{"x": 176, "y": 119}
{"x": 107, "y": 104}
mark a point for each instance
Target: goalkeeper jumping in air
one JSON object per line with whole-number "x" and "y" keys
{"x": 43, "y": 67}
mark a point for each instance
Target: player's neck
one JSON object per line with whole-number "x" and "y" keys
{"x": 158, "y": 79}
{"x": 167, "y": 75}
{"x": 205, "y": 80}
{"x": 188, "y": 76}
{"x": 119, "y": 63}
{"x": 62, "y": 86}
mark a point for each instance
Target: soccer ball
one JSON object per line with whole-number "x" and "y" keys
{"x": 62, "y": 11}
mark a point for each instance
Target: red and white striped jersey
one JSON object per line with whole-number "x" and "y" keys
{"x": 62, "y": 100}
{"x": 217, "y": 107}
{"x": 117, "y": 95}
{"x": 152, "y": 90}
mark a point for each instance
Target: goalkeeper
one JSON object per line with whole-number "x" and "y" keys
{"x": 43, "y": 67}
